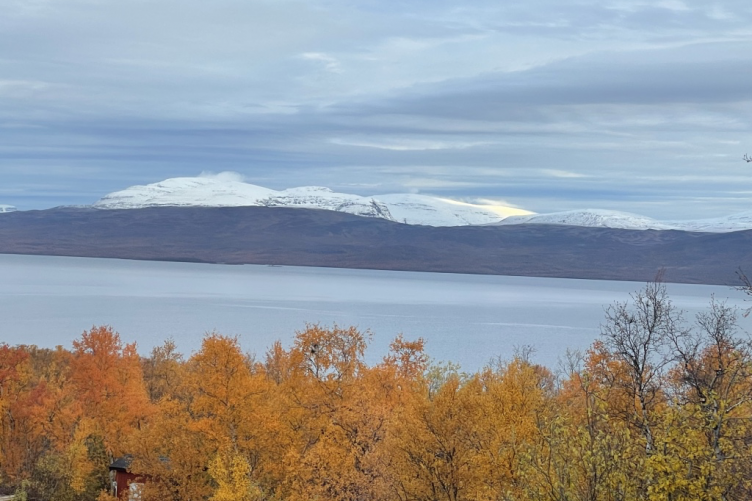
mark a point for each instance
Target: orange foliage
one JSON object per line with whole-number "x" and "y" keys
{"x": 315, "y": 421}
{"x": 109, "y": 384}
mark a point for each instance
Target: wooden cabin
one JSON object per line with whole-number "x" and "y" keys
{"x": 124, "y": 484}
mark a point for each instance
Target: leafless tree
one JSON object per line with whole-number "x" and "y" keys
{"x": 745, "y": 287}
{"x": 636, "y": 332}
{"x": 715, "y": 366}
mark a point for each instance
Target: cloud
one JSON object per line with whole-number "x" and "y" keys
{"x": 562, "y": 173}
{"x": 422, "y": 184}
{"x": 548, "y": 105}
{"x": 692, "y": 74}
{"x": 15, "y": 89}
{"x": 330, "y": 63}
{"x": 407, "y": 144}
{"x": 224, "y": 176}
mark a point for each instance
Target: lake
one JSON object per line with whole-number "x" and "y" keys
{"x": 467, "y": 319}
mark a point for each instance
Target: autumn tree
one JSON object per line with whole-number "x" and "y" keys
{"x": 208, "y": 427}
{"x": 336, "y": 412}
{"x": 163, "y": 371}
{"x": 225, "y": 393}
{"x": 407, "y": 358}
{"x": 110, "y": 385}
{"x": 656, "y": 409}
{"x": 232, "y": 474}
{"x": 580, "y": 453}
{"x": 515, "y": 395}
{"x": 174, "y": 452}
{"x": 15, "y": 379}
{"x": 712, "y": 381}
{"x": 51, "y": 449}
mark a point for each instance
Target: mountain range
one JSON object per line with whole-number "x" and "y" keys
{"x": 599, "y": 218}
{"x": 227, "y": 190}
{"x": 220, "y": 220}
{"x": 313, "y": 237}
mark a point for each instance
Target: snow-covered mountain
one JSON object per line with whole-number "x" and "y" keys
{"x": 431, "y": 211}
{"x": 628, "y": 221}
{"x": 317, "y": 197}
{"x": 597, "y": 218}
{"x": 7, "y": 208}
{"x": 186, "y": 191}
{"x": 734, "y": 222}
{"x": 229, "y": 191}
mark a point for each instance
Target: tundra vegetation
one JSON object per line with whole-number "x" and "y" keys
{"x": 658, "y": 408}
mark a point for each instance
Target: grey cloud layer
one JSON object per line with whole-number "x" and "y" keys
{"x": 641, "y": 106}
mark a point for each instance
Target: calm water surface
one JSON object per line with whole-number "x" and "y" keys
{"x": 467, "y": 319}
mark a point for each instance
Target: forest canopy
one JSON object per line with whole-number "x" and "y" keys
{"x": 658, "y": 408}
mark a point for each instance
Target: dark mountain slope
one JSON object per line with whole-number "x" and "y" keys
{"x": 303, "y": 237}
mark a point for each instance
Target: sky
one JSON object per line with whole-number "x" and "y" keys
{"x": 545, "y": 105}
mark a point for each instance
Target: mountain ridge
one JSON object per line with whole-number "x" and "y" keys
{"x": 602, "y": 218}
{"x": 312, "y": 237}
{"x": 228, "y": 190}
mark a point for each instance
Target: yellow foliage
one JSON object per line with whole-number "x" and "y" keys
{"x": 315, "y": 422}
{"x": 106, "y": 496}
{"x": 232, "y": 473}
{"x": 80, "y": 465}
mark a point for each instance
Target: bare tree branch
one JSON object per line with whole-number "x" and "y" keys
{"x": 637, "y": 333}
